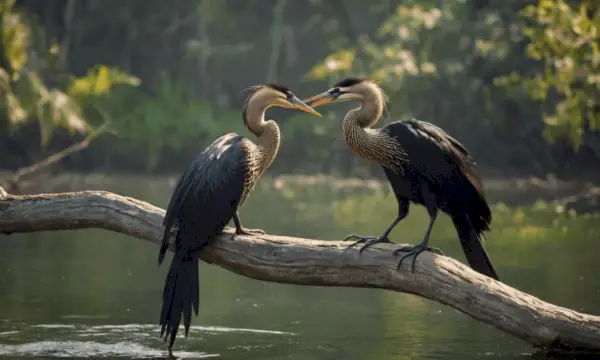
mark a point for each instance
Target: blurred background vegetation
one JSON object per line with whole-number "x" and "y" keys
{"x": 516, "y": 81}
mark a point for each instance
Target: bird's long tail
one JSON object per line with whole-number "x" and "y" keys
{"x": 180, "y": 294}
{"x": 471, "y": 243}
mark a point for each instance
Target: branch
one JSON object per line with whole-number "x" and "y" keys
{"x": 56, "y": 157}
{"x": 325, "y": 263}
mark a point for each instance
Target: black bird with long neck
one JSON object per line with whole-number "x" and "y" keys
{"x": 209, "y": 194}
{"x": 423, "y": 164}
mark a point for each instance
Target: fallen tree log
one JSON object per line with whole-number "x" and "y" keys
{"x": 325, "y": 263}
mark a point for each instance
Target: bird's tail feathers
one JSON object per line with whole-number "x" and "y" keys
{"x": 165, "y": 242}
{"x": 472, "y": 246}
{"x": 180, "y": 295}
{"x": 477, "y": 208}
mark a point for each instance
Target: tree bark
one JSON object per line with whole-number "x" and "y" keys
{"x": 323, "y": 263}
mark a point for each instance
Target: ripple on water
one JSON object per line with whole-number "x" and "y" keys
{"x": 4, "y": 333}
{"x": 75, "y": 316}
{"x": 87, "y": 349}
{"x": 102, "y": 341}
{"x": 154, "y": 328}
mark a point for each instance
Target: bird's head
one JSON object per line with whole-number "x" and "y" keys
{"x": 271, "y": 94}
{"x": 350, "y": 89}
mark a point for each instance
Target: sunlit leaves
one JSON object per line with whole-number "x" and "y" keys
{"x": 10, "y": 103}
{"x": 26, "y": 97}
{"x": 15, "y": 36}
{"x": 53, "y": 109}
{"x": 336, "y": 63}
{"x": 565, "y": 38}
{"x": 100, "y": 80}
{"x": 401, "y": 49}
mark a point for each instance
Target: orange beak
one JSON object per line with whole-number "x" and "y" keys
{"x": 298, "y": 104}
{"x": 318, "y": 100}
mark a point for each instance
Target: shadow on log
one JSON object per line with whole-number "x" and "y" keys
{"x": 321, "y": 263}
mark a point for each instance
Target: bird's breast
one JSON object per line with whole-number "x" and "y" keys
{"x": 371, "y": 145}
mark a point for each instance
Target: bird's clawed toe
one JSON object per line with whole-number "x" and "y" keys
{"x": 249, "y": 232}
{"x": 354, "y": 236}
{"x": 373, "y": 241}
{"x": 415, "y": 250}
{"x": 256, "y": 231}
{"x": 360, "y": 239}
{"x": 435, "y": 250}
{"x": 368, "y": 240}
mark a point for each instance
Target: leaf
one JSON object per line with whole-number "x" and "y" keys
{"x": 337, "y": 62}
{"x": 15, "y": 36}
{"x": 15, "y": 111}
{"x": 99, "y": 81}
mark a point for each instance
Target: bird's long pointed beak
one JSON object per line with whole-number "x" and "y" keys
{"x": 321, "y": 99}
{"x": 298, "y": 104}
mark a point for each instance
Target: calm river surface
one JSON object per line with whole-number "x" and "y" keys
{"x": 93, "y": 293}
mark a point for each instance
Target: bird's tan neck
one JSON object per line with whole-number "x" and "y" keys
{"x": 370, "y": 110}
{"x": 361, "y": 141}
{"x": 268, "y": 143}
{"x": 267, "y": 133}
{"x": 358, "y": 123}
{"x": 371, "y": 144}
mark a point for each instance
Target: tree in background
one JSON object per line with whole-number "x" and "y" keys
{"x": 471, "y": 67}
{"x": 29, "y": 65}
{"x": 564, "y": 38}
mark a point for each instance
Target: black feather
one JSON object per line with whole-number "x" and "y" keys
{"x": 349, "y": 82}
{"x": 279, "y": 87}
{"x": 203, "y": 202}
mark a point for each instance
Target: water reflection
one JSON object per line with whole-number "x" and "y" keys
{"x": 92, "y": 293}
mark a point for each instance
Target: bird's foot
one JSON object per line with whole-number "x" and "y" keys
{"x": 249, "y": 232}
{"x": 171, "y": 356}
{"x": 415, "y": 250}
{"x": 245, "y": 231}
{"x": 354, "y": 236}
{"x": 368, "y": 240}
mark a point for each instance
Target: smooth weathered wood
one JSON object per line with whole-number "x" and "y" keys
{"x": 313, "y": 262}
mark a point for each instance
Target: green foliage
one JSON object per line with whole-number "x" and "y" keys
{"x": 394, "y": 55}
{"x": 99, "y": 81}
{"x": 565, "y": 38}
{"x": 26, "y": 97}
{"x": 15, "y": 35}
{"x": 478, "y": 70}
{"x": 167, "y": 120}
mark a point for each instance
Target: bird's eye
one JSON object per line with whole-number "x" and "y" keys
{"x": 290, "y": 95}
{"x": 334, "y": 90}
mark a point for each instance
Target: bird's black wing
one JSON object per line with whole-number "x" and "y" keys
{"x": 437, "y": 156}
{"x": 207, "y": 194}
{"x": 458, "y": 151}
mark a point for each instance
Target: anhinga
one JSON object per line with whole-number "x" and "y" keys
{"x": 209, "y": 194}
{"x": 424, "y": 165}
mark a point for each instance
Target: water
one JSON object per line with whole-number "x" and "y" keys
{"x": 93, "y": 293}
